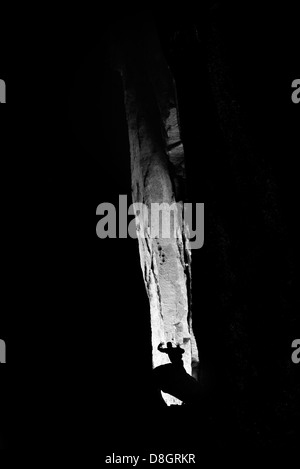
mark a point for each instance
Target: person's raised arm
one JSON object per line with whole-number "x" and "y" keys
{"x": 160, "y": 348}
{"x": 180, "y": 350}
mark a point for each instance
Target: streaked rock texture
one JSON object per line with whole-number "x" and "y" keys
{"x": 158, "y": 176}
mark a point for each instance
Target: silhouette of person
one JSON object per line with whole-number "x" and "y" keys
{"x": 173, "y": 379}
{"x": 174, "y": 353}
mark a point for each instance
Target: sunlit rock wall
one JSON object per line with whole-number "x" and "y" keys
{"x": 158, "y": 177}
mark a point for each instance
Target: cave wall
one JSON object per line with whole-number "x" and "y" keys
{"x": 158, "y": 177}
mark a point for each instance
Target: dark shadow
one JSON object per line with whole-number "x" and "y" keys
{"x": 173, "y": 379}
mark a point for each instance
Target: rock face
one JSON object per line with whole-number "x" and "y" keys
{"x": 158, "y": 182}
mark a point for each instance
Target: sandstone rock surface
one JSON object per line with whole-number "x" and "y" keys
{"x": 158, "y": 177}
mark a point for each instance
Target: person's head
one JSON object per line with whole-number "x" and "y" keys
{"x": 169, "y": 345}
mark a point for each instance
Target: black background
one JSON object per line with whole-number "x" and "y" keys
{"x": 75, "y": 312}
